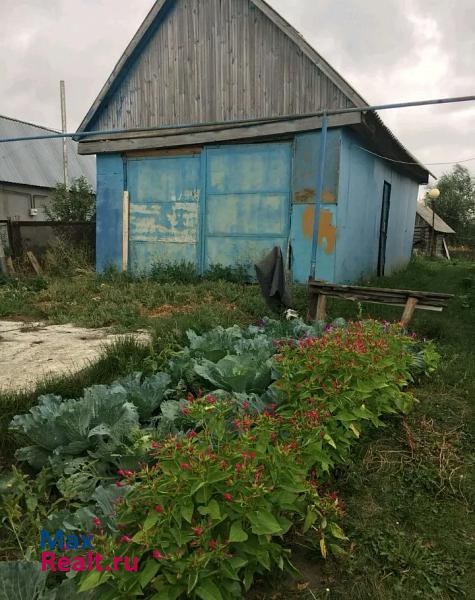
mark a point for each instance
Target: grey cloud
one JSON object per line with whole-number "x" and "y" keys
{"x": 372, "y": 43}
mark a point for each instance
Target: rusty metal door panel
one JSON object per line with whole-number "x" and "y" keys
{"x": 164, "y": 210}
{"x": 247, "y": 202}
{"x": 303, "y": 216}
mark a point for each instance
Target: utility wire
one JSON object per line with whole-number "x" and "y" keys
{"x": 403, "y": 162}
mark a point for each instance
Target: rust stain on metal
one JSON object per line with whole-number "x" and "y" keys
{"x": 308, "y": 195}
{"x": 305, "y": 195}
{"x": 326, "y": 230}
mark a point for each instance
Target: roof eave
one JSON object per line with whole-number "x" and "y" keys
{"x": 381, "y": 141}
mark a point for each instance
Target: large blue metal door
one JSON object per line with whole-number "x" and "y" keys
{"x": 247, "y": 202}
{"x": 164, "y": 196}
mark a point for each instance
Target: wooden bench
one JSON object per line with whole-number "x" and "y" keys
{"x": 409, "y": 299}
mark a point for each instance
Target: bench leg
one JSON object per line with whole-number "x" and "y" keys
{"x": 312, "y": 307}
{"x": 321, "y": 307}
{"x": 408, "y": 311}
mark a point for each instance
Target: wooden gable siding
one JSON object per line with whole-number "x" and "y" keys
{"x": 216, "y": 60}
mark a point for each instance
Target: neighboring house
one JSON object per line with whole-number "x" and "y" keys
{"x": 424, "y": 233}
{"x": 30, "y": 170}
{"x": 220, "y": 156}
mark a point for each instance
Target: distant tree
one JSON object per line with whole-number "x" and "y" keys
{"x": 74, "y": 203}
{"x": 456, "y": 203}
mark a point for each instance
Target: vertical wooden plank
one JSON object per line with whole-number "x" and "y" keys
{"x": 34, "y": 262}
{"x": 213, "y": 60}
{"x": 321, "y": 307}
{"x": 312, "y": 305}
{"x": 3, "y": 262}
{"x": 125, "y": 231}
{"x": 10, "y": 265}
{"x": 408, "y": 311}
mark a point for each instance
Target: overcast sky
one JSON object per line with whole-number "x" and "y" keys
{"x": 391, "y": 50}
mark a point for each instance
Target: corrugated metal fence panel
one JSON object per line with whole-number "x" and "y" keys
{"x": 164, "y": 199}
{"x": 217, "y": 60}
{"x": 247, "y": 202}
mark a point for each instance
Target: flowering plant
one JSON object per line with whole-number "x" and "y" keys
{"x": 211, "y": 507}
{"x": 211, "y": 511}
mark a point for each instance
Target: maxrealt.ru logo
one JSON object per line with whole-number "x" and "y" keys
{"x": 88, "y": 560}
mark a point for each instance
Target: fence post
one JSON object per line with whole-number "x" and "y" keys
{"x": 3, "y": 262}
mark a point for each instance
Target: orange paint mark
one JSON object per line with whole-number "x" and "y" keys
{"x": 328, "y": 197}
{"x": 326, "y": 230}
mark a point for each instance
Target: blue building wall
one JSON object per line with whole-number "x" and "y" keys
{"x": 232, "y": 203}
{"x": 110, "y": 188}
{"x": 362, "y": 177}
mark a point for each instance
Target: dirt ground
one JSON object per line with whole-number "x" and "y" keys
{"x": 29, "y": 351}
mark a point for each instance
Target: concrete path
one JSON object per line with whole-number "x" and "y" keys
{"x": 29, "y": 351}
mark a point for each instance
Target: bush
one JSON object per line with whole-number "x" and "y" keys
{"x": 74, "y": 203}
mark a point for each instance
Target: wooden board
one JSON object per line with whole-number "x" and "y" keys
{"x": 34, "y": 262}
{"x": 125, "y": 231}
{"x": 409, "y": 299}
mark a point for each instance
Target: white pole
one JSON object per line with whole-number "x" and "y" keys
{"x": 64, "y": 130}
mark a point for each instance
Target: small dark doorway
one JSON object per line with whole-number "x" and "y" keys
{"x": 383, "y": 232}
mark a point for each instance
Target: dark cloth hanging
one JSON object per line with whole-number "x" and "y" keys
{"x": 270, "y": 272}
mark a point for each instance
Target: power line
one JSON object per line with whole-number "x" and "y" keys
{"x": 403, "y": 162}
{"x": 244, "y": 123}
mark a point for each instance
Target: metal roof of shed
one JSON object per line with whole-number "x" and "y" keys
{"x": 39, "y": 162}
{"x": 426, "y": 213}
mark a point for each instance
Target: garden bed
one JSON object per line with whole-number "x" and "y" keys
{"x": 204, "y": 472}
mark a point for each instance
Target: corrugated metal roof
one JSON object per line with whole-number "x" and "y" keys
{"x": 39, "y": 162}
{"x": 439, "y": 224}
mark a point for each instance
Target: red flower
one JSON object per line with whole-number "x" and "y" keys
{"x": 198, "y": 530}
{"x": 157, "y": 555}
{"x": 252, "y": 455}
{"x": 212, "y": 544}
{"x": 185, "y": 411}
{"x": 185, "y": 466}
{"x": 119, "y": 484}
{"x": 125, "y": 538}
{"x": 238, "y": 467}
{"x": 211, "y": 399}
{"x": 155, "y": 445}
{"x": 178, "y": 446}
{"x": 159, "y": 508}
{"x": 192, "y": 434}
{"x": 120, "y": 472}
{"x": 227, "y": 497}
{"x": 97, "y": 522}
{"x": 245, "y": 405}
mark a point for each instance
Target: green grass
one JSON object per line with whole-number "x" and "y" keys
{"x": 411, "y": 489}
{"x": 125, "y": 303}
